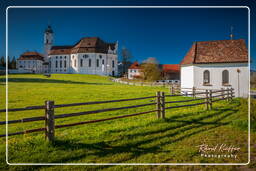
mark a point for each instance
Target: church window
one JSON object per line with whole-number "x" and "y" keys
{"x": 65, "y": 64}
{"x": 60, "y": 64}
{"x": 97, "y": 63}
{"x": 206, "y": 77}
{"x": 100, "y": 56}
{"x": 81, "y": 62}
{"x": 90, "y": 62}
{"x": 56, "y": 64}
{"x": 225, "y": 77}
{"x": 103, "y": 62}
{"x": 113, "y": 64}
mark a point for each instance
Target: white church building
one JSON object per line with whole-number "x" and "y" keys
{"x": 90, "y": 55}
{"x": 215, "y": 65}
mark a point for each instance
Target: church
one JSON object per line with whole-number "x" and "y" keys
{"x": 90, "y": 55}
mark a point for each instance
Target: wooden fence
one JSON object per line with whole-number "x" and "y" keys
{"x": 160, "y": 101}
{"x": 141, "y": 83}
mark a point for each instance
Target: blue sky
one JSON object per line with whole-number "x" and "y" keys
{"x": 166, "y": 34}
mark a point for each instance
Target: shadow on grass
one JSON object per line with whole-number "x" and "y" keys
{"x": 145, "y": 142}
{"x": 174, "y": 134}
{"x": 49, "y": 80}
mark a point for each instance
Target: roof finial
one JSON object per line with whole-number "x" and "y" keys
{"x": 231, "y": 34}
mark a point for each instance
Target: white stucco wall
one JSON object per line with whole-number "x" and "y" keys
{"x": 132, "y": 73}
{"x": 59, "y": 59}
{"x": 187, "y": 76}
{"x": 105, "y": 66}
{"x": 193, "y": 76}
{"x": 35, "y": 66}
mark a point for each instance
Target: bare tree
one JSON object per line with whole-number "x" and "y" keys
{"x": 126, "y": 59}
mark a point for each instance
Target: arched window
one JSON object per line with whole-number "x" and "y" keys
{"x": 97, "y": 63}
{"x": 90, "y": 62}
{"x": 81, "y": 62}
{"x": 225, "y": 77}
{"x": 206, "y": 77}
{"x": 113, "y": 64}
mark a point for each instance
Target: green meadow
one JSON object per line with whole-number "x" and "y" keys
{"x": 138, "y": 139}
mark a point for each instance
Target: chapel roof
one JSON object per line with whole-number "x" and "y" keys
{"x": 218, "y": 51}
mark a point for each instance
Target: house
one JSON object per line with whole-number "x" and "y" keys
{"x": 90, "y": 55}
{"x": 215, "y": 65}
{"x": 30, "y": 62}
{"x": 134, "y": 71}
{"x": 171, "y": 71}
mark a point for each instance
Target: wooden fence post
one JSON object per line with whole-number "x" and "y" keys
{"x": 162, "y": 105}
{"x": 227, "y": 90}
{"x": 158, "y": 105}
{"x": 193, "y": 91}
{"x": 210, "y": 99}
{"x": 222, "y": 93}
{"x": 231, "y": 93}
{"x": 49, "y": 121}
{"x": 172, "y": 89}
{"x": 207, "y": 99}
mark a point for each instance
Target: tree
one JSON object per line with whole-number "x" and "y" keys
{"x": 9, "y": 62}
{"x": 13, "y": 63}
{"x": 126, "y": 57}
{"x": 150, "y": 69}
{"x": 2, "y": 61}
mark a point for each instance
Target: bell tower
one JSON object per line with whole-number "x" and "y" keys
{"x": 48, "y": 40}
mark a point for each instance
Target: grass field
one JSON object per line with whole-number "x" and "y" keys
{"x": 140, "y": 139}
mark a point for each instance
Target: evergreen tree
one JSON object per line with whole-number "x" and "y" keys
{"x": 2, "y": 61}
{"x": 13, "y": 63}
{"x": 9, "y": 62}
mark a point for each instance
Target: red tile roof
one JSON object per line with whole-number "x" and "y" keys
{"x": 171, "y": 68}
{"x": 31, "y": 56}
{"x": 59, "y": 50}
{"x": 135, "y": 65}
{"x": 219, "y": 51}
{"x": 92, "y": 45}
{"x": 85, "y": 45}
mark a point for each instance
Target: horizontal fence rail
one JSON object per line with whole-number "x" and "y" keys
{"x": 185, "y": 105}
{"x": 208, "y": 97}
{"x": 102, "y": 110}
